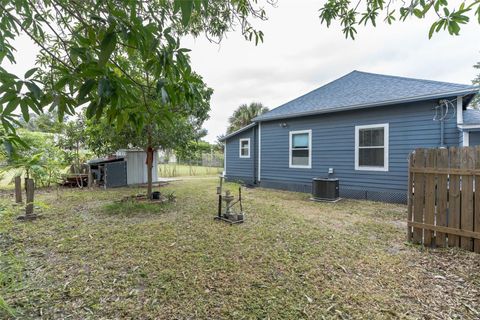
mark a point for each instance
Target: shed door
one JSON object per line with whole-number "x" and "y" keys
{"x": 115, "y": 174}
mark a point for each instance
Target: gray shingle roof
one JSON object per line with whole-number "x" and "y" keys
{"x": 471, "y": 116}
{"x": 251, "y": 125}
{"x": 361, "y": 90}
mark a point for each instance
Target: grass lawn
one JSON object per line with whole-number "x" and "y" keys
{"x": 183, "y": 170}
{"x": 90, "y": 258}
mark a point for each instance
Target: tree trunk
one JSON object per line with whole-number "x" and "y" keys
{"x": 149, "y": 166}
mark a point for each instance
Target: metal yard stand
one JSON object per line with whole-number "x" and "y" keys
{"x": 228, "y": 213}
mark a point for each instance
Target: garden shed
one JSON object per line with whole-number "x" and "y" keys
{"x": 127, "y": 167}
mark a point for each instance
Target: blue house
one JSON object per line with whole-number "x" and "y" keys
{"x": 359, "y": 128}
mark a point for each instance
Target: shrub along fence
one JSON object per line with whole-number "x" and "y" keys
{"x": 443, "y": 208}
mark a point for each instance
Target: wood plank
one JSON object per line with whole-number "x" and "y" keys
{"x": 429, "y": 197}
{"x": 450, "y": 171}
{"x": 419, "y": 196}
{"x": 442, "y": 194}
{"x": 454, "y": 198}
{"x": 458, "y": 232}
{"x": 411, "y": 159}
{"x": 476, "y": 218}
{"x": 466, "y": 214}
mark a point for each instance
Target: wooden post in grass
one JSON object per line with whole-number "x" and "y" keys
{"x": 18, "y": 189}
{"x": 30, "y": 192}
{"x": 90, "y": 177}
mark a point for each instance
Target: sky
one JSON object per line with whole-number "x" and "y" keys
{"x": 299, "y": 55}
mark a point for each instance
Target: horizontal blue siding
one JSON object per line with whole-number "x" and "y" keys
{"x": 333, "y": 142}
{"x": 237, "y": 168}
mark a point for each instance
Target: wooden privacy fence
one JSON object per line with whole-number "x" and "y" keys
{"x": 443, "y": 207}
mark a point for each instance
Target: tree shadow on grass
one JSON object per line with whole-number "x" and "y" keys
{"x": 134, "y": 208}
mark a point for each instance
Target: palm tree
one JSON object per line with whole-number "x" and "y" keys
{"x": 476, "y": 81}
{"x": 244, "y": 114}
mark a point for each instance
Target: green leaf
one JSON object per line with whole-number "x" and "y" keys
{"x": 107, "y": 47}
{"x": 30, "y": 72}
{"x": 85, "y": 89}
{"x": 91, "y": 109}
{"x": 24, "y": 108}
{"x": 432, "y": 30}
{"x": 62, "y": 82}
{"x": 104, "y": 88}
{"x": 186, "y": 7}
{"x": 34, "y": 89}
{"x": 12, "y": 105}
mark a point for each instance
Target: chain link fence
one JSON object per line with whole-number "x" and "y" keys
{"x": 207, "y": 164}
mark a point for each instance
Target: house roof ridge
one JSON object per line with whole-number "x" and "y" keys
{"x": 415, "y": 79}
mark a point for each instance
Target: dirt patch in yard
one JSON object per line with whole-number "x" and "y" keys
{"x": 291, "y": 259}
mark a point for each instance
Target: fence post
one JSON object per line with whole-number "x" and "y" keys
{"x": 30, "y": 192}
{"x": 410, "y": 195}
{"x": 419, "y": 194}
{"x": 18, "y": 189}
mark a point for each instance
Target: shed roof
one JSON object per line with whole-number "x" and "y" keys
{"x": 359, "y": 89}
{"x": 105, "y": 160}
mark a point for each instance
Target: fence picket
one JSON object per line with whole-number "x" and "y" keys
{"x": 454, "y": 198}
{"x": 444, "y": 207}
{"x": 429, "y": 196}
{"x": 476, "y": 218}
{"x": 442, "y": 195}
{"x": 419, "y": 196}
{"x": 466, "y": 216}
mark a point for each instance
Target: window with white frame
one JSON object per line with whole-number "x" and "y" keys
{"x": 300, "y": 149}
{"x": 244, "y": 148}
{"x": 371, "y": 147}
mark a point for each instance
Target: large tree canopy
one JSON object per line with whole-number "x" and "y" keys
{"x": 447, "y": 16}
{"x": 84, "y": 45}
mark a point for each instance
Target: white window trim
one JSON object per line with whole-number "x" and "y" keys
{"x": 240, "y": 148}
{"x": 386, "y": 141}
{"x": 290, "y": 165}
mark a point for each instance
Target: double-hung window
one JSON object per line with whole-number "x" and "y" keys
{"x": 300, "y": 149}
{"x": 371, "y": 147}
{"x": 244, "y": 151}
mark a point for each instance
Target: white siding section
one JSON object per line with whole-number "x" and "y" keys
{"x": 137, "y": 167}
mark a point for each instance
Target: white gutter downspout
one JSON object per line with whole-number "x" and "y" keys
{"x": 225, "y": 158}
{"x": 459, "y": 110}
{"x": 259, "y": 150}
{"x": 465, "y": 135}
{"x": 466, "y": 138}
